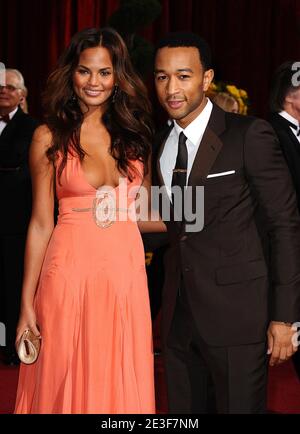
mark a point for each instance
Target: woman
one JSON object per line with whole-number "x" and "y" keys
{"x": 226, "y": 102}
{"x": 85, "y": 287}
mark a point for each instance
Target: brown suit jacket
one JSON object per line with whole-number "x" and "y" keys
{"x": 233, "y": 294}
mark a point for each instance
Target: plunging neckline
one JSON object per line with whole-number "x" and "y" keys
{"x": 103, "y": 185}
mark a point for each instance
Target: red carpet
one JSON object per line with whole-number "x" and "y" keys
{"x": 8, "y": 385}
{"x": 283, "y": 388}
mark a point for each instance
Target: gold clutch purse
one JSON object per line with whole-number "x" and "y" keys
{"x": 29, "y": 347}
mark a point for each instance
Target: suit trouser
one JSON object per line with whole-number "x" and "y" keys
{"x": 11, "y": 276}
{"x": 206, "y": 379}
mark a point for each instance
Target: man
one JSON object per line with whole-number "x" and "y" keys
{"x": 16, "y": 130}
{"x": 219, "y": 318}
{"x": 285, "y": 119}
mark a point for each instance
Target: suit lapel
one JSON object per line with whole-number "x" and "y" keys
{"x": 161, "y": 142}
{"x": 209, "y": 148}
{"x": 207, "y": 153}
{"x": 165, "y": 197}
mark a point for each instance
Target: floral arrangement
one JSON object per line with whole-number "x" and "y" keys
{"x": 239, "y": 94}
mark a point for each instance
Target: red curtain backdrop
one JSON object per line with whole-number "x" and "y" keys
{"x": 249, "y": 38}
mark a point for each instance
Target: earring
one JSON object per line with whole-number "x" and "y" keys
{"x": 115, "y": 93}
{"x": 73, "y": 97}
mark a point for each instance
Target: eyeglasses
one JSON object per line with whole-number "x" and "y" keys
{"x": 9, "y": 87}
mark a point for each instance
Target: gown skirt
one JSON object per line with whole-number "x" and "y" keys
{"x": 92, "y": 306}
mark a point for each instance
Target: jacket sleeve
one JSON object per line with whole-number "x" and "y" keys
{"x": 272, "y": 188}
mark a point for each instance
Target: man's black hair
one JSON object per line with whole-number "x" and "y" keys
{"x": 282, "y": 84}
{"x": 188, "y": 39}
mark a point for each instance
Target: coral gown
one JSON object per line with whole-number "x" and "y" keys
{"x": 92, "y": 307}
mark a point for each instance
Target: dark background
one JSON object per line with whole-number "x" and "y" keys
{"x": 249, "y": 38}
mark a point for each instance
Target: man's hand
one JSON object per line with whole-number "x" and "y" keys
{"x": 280, "y": 342}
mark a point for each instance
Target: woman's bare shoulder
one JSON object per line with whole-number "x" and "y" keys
{"x": 41, "y": 142}
{"x": 42, "y": 134}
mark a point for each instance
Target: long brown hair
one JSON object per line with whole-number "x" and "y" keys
{"x": 127, "y": 117}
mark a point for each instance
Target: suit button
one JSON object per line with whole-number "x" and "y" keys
{"x": 183, "y": 238}
{"x": 187, "y": 269}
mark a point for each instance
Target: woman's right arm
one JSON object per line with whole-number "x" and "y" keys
{"x": 40, "y": 227}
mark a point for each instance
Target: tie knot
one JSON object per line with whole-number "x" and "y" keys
{"x": 182, "y": 139}
{"x": 295, "y": 127}
{"x": 5, "y": 118}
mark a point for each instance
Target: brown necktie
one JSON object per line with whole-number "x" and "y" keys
{"x": 180, "y": 173}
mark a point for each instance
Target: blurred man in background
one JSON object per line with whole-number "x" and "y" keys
{"x": 16, "y": 130}
{"x": 285, "y": 119}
